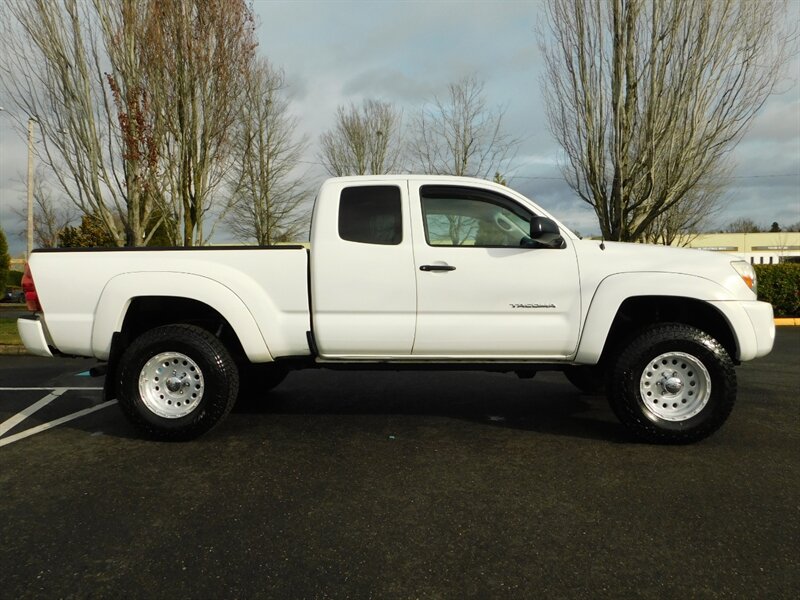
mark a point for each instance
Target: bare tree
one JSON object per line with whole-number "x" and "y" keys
{"x": 365, "y": 140}
{"x": 268, "y": 194}
{"x": 50, "y": 216}
{"x": 743, "y": 225}
{"x": 461, "y": 135}
{"x": 130, "y": 94}
{"x": 57, "y": 60}
{"x": 137, "y": 129}
{"x": 647, "y": 97}
{"x": 688, "y": 217}
{"x": 198, "y": 54}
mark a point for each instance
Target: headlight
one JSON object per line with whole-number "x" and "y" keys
{"x": 747, "y": 273}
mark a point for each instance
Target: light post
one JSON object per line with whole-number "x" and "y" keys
{"x": 31, "y": 121}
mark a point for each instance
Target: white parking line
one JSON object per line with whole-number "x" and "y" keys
{"x": 29, "y": 389}
{"x": 18, "y": 418}
{"x": 44, "y": 426}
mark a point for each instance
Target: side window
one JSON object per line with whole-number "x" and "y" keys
{"x": 371, "y": 215}
{"x": 463, "y": 217}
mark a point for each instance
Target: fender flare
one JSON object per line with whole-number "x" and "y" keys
{"x": 615, "y": 289}
{"x": 119, "y": 292}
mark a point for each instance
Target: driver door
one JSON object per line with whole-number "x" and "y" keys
{"x": 482, "y": 291}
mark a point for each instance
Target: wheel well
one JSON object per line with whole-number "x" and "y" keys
{"x": 641, "y": 311}
{"x": 149, "y": 312}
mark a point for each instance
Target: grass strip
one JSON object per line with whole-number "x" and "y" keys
{"x": 8, "y": 332}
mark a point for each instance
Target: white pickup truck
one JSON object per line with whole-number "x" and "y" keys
{"x": 406, "y": 272}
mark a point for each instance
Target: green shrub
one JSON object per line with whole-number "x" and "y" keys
{"x": 14, "y": 278}
{"x": 780, "y": 286}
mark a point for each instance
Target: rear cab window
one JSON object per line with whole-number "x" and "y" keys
{"x": 371, "y": 215}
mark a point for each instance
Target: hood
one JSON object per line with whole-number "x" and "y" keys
{"x": 620, "y": 257}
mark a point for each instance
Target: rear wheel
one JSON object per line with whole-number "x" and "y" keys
{"x": 176, "y": 382}
{"x": 673, "y": 384}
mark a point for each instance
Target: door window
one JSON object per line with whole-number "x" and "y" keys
{"x": 464, "y": 217}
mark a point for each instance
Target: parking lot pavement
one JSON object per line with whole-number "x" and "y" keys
{"x": 39, "y": 394}
{"x": 396, "y": 485}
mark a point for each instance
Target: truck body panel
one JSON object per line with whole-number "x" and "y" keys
{"x": 427, "y": 271}
{"x": 262, "y": 293}
{"x": 363, "y": 295}
{"x": 401, "y": 268}
{"x": 497, "y": 300}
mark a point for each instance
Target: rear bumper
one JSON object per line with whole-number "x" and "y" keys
{"x": 32, "y": 334}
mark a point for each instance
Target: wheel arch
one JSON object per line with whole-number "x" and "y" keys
{"x": 634, "y": 314}
{"x": 624, "y": 304}
{"x": 133, "y": 303}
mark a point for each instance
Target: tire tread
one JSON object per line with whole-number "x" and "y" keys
{"x": 211, "y": 348}
{"x": 624, "y": 390}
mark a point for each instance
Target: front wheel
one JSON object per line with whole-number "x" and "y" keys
{"x": 176, "y": 382}
{"x": 673, "y": 384}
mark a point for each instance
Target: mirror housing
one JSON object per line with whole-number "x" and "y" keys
{"x": 546, "y": 234}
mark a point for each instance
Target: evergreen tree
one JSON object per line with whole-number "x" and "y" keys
{"x": 5, "y": 261}
{"x": 89, "y": 234}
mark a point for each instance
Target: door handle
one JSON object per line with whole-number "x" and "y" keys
{"x": 437, "y": 268}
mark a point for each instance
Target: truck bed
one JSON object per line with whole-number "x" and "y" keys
{"x": 85, "y": 293}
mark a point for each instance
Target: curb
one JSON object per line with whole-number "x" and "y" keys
{"x": 787, "y": 321}
{"x": 12, "y": 349}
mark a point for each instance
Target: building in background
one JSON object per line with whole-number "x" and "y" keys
{"x": 759, "y": 248}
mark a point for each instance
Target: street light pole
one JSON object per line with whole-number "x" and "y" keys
{"x": 31, "y": 121}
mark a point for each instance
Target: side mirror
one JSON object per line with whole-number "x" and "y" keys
{"x": 546, "y": 234}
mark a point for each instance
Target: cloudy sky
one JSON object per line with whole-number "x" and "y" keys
{"x": 406, "y": 52}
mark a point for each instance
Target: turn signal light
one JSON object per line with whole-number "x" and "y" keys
{"x": 29, "y": 289}
{"x": 747, "y": 273}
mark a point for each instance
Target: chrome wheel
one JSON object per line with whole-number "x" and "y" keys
{"x": 171, "y": 385}
{"x": 675, "y": 386}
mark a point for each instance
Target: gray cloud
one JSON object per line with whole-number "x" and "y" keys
{"x": 405, "y": 52}
{"x": 389, "y": 85}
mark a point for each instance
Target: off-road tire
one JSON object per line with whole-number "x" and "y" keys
{"x": 670, "y": 420}
{"x": 209, "y": 361}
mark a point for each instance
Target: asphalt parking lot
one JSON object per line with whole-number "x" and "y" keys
{"x": 397, "y": 485}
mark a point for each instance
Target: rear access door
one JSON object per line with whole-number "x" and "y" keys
{"x": 363, "y": 300}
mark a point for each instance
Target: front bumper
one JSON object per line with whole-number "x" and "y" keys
{"x": 33, "y": 337}
{"x": 763, "y": 321}
{"x": 753, "y": 326}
